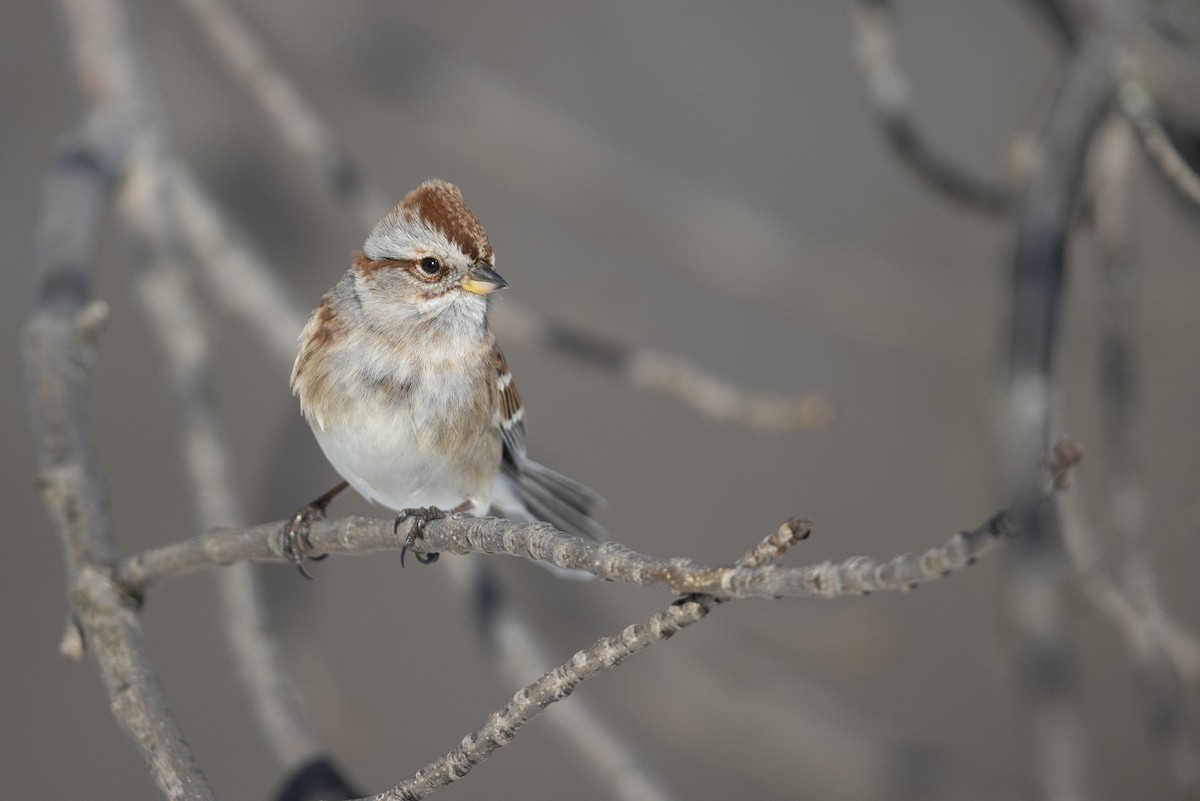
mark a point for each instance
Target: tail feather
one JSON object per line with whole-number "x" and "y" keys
{"x": 555, "y": 499}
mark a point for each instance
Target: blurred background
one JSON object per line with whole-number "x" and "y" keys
{"x": 705, "y": 179}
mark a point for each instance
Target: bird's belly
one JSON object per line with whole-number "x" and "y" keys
{"x": 390, "y": 461}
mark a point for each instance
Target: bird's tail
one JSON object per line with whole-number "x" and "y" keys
{"x": 555, "y": 499}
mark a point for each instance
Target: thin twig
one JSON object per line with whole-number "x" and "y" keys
{"x": 59, "y": 345}
{"x": 889, "y": 90}
{"x": 558, "y": 683}
{"x": 169, "y": 304}
{"x": 234, "y": 273}
{"x": 519, "y": 652}
{"x": 1139, "y": 107}
{"x": 555, "y": 685}
{"x": 608, "y": 560}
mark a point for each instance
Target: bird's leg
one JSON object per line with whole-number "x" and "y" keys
{"x": 296, "y": 543}
{"x": 421, "y": 516}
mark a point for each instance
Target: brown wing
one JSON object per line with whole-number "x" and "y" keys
{"x": 510, "y": 415}
{"x": 545, "y": 494}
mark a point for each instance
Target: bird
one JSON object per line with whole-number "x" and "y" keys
{"x": 406, "y": 390}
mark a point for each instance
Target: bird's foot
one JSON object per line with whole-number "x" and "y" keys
{"x": 296, "y": 542}
{"x": 420, "y": 516}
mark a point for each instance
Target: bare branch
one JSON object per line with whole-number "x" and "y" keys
{"x": 1045, "y": 659}
{"x": 888, "y": 90}
{"x": 608, "y": 560}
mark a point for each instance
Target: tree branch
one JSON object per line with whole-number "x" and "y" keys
{"x": 608, "y": 560}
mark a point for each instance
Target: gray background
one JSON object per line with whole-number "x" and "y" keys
{"x": 589, "y": 139}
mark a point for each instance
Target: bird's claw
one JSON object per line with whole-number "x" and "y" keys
{"x": 296, "y": 542}
{"x": 420, "y": 516}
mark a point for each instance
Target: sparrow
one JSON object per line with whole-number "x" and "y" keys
{"x": 404, "y": 387}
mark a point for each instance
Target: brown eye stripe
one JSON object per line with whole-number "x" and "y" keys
{"x": 367, "y": 267}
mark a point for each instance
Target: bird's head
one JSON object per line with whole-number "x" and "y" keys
{"x": 427, "y": 258}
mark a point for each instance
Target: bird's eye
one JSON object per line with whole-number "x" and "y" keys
{"x": 430, "y": 265}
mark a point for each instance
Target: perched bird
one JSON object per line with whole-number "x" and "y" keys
{"x": 403, "y": 384}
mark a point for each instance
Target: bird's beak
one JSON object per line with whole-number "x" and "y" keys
{"x": 482, "y": 280}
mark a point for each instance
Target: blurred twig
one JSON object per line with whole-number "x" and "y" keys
{"x": 59, "y": 346}
{"x": 1045, "y": 663}
{"x": 1097, "y": 73}
{"x": 1120, "y": 378}
{"x": 297, "y": 125}
{"x": 889, "y": 90}
{"x": 124, "y": 118}
{"x": 1139, "y": 107}
{"x": 169, "y": 303}
{"x": 1168, "y": 655}
{"x": 670, "y": 375}
{"x": 233, "y": 271}
{"x": 1165, "y": 652}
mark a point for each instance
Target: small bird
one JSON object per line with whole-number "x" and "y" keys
{"x": 408, "y": 394}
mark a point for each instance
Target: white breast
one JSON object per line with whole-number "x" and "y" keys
{"x": 387, "y": 448}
